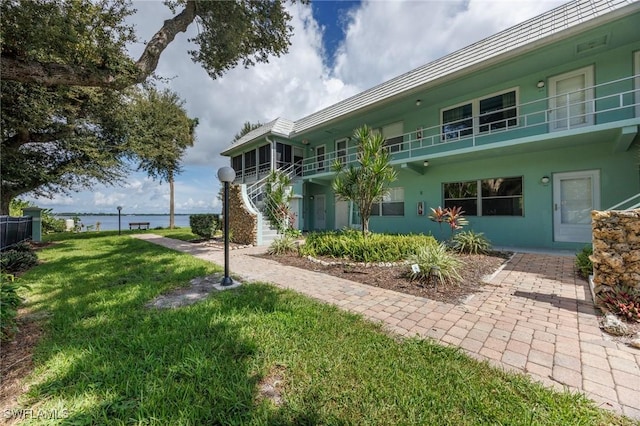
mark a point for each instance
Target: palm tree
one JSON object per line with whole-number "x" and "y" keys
{"x": 367, "y": 180}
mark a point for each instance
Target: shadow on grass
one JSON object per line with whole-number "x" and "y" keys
{"x": 108, "y": 358}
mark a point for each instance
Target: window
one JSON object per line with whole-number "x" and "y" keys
{"x": 298, "y": 156}
{"x": 283, "y": 154}
{"x": 487, "y": 197}
{"x": 320, "y": 151}
{"x": 498, "y": 112}
{"x": 457, "y": 122}
{"x": 495, "y": 112}
{"x": 236, "y": 164}
{"x": 264, "y": 158}
{"x": 462, "y": 194}
{"x": 636, "y": 60}
{"x": 250, "y": 161}
{"x": 393, "y": 136}
{"x": 502, "y": 197}
{"x": 341, "y": 150}
{"x": 392, "y": 204}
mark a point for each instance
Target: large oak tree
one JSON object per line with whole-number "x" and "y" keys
{"x": 55, "y": 140}
{"x": 66, "y": 119}
{"x": 83, "y": 42}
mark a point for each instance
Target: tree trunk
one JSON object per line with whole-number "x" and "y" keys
{"x": 5, "y": 200}
{"x": 365, "y": 226}
{"x": 172, "y": 223}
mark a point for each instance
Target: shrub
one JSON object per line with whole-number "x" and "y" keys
{"x": 435, "y": 260}
{"x": 583, "y": 263}
{"x": 470, "y": 242}
{"x": 9, "y": 303}
{"x": 22, "y": 247}
{"x": 621, "y": 300}
{"x": 17, "y": 259}
{"x": 51, "y": 224}
{"x": 350, "y": 244}
{"x": 204, "y": 225}
{"x": 282, "y": 245}
{"x": 452, "y": 216}
{"x": 293, "y": 233}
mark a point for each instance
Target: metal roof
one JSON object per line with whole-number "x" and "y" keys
{"x": 279, "y": 126}
{"x": 512, "y": 41}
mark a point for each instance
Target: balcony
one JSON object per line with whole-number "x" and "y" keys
{"x": 604, "y": 106}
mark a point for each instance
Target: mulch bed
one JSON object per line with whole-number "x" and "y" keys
{"x": 476, "y": 267}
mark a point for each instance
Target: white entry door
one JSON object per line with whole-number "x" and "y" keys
{"x": 575, "y": 194}
{"x": 320, "y": 212}
{"x": 342, "y": 214}
{"x": 571, "y": 99}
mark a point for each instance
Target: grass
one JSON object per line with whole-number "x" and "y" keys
{"x": 108, "y": 359}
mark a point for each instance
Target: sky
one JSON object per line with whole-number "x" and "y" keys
{"x": 339, "y": 48}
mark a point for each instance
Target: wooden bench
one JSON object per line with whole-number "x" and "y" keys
{"x": 138, "y": 225}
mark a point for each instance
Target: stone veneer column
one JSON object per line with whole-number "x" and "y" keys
{"x": 243, "y": 224}
{"x": 616, "y": 249}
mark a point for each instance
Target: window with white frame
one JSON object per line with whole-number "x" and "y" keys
{"x": 392, "y": 204}
{"x": 283, "y": 155}
{"x": 393, "y": 138}
{"x": 341, "y": 150}
{"x": 497, "y": 112}
{"x": 457, "y": 122}
{"x": 486, "y": 197}
{"x": 493, "y": 112}
{"x": 636, "y": 60}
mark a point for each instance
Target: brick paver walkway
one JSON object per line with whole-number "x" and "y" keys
{"x": 535, "y": 317}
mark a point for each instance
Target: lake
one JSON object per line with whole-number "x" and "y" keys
{"x": 110, "y": 222}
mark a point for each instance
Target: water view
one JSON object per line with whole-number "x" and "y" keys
{"x": 110, "y": 222}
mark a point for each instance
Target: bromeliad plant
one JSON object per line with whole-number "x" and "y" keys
{"x": 623, "y": 301}
{"x": 453, "y": 216}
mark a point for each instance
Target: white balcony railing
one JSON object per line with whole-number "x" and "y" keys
{"x": 603, "y": 103}
{"x": 630, "y": 203}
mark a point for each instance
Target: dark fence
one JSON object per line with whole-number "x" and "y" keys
{"x": 14, "y": 230}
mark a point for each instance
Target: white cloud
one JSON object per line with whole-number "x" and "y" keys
{"x": 101, "y": 199}
{"x": 57, "y": 200}
{"x": 387, "y": 38}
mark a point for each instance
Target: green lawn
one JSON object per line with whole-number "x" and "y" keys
{"x": 106, "y": 358}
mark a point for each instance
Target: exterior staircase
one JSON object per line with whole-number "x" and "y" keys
{"x": 267, "y": 232}
{"x": 630, "y": 203}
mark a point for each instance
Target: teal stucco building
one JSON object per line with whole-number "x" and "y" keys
{"x": 528, "y": 130}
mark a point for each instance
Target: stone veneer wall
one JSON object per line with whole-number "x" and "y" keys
{"x": 616, "y": 249}
{"x": 243, "y": 224}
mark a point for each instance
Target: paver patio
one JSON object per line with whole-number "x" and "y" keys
{"x": 535, "y": 317}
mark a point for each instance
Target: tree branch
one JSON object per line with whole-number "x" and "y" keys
{"x": 55, "y": 74}
{"x": 24, "y": 136}
{"x": 149, "y": 59}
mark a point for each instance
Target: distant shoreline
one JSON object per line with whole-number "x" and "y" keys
{"x": 124, "y": 214}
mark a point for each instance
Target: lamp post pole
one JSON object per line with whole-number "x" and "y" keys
{"x": 226, "y": 176}
{"x": 119, "y": 222}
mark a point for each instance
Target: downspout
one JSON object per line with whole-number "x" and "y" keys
{"x": 273, "y": 153}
